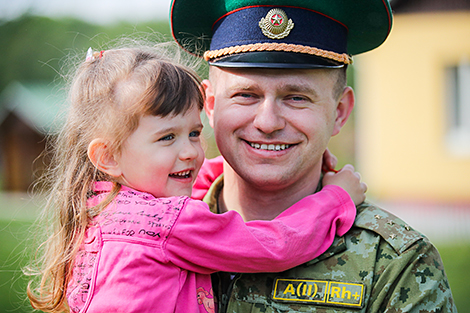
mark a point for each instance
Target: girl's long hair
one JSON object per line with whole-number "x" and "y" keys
{"x": 107, "y": 96}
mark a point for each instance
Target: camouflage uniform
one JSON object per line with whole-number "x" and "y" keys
{"x": 380, "y": 265}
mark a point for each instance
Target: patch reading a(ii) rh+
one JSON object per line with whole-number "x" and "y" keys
{"x": 319, "y": 292}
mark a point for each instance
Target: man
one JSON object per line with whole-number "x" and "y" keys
{"x": 276, "y": 94}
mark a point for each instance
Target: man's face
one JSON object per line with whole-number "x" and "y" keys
{"x": 272, "y": 126}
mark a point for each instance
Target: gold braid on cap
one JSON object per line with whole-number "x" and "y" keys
{"x": 339, "y": 57}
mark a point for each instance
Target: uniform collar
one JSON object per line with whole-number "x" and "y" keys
{"x": 213, "y": 193}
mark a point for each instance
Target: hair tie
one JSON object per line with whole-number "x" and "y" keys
{"x": 91, "y": 56}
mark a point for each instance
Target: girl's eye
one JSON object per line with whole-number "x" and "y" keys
{"x": 195, "y": 133}
{"x": 167, "y": 137}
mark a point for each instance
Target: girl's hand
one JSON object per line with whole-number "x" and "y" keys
{"x": 329, "y": 161}
{"x": 349, "y": 180}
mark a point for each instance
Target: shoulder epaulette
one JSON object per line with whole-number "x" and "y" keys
{"x": 391, "y": 228}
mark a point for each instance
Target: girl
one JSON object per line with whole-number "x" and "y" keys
{"x": 128, "y": 237}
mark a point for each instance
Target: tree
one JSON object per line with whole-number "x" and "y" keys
{"x": 33, "y": 48}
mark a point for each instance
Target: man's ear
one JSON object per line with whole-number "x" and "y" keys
{"x": 102, "y": 158}
{"x": 209, "y": 101}
{"x": 343, "y": 109}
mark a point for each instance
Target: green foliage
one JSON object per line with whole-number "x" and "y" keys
{"x": 32, "y": 47}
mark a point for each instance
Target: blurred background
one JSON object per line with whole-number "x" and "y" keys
{"x": 409, "y": 135}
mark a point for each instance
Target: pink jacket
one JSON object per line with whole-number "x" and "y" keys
{"x": 147, "y": 254}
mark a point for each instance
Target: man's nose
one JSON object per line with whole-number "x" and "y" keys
{"x": 268, "y": 117}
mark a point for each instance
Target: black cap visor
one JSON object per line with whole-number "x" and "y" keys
{"x": 274, "y": 59}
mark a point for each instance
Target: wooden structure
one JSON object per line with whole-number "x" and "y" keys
{"x": 26, "y": 116}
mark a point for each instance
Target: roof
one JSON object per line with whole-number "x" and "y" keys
{"x": 36, "y": 104}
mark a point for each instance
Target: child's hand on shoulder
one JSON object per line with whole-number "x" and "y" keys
{"x": 349, "y": 180}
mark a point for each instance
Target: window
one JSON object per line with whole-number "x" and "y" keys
{"x": 458, "y": 103}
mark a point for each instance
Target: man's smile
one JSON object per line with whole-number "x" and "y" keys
{"x": 269, "y": 147}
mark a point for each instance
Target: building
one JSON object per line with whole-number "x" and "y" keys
{"x": 27, "y": 113}
{"x": 413, "y": 106}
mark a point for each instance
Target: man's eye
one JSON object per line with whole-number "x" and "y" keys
{"x": 297, "y": 98}
{"x": 298, "y": 101}
{"x": 244, "y": 96}
{"x": 195, "y": 133}
{"x": 167, "y": 137}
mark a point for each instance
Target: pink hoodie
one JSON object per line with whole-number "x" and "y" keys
{"x": 147, "y": 254}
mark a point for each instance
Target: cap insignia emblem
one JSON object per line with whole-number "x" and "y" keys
{"x": 275, "y": 24}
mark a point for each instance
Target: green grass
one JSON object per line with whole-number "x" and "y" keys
{"x": 15, "y": 239}
{"x": 455, "y": 257}
{"x": 13, "y": 256}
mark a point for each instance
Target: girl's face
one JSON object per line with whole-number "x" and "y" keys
{"x": 163, "y": 155}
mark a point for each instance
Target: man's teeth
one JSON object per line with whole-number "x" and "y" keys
{"x": 270, "y": 147}
{"x": 182, "y": 174}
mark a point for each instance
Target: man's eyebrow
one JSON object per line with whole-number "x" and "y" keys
{"x": 300, "y": 88}
{"x": 287, "y": 87}
{"x": 243, "y": 86}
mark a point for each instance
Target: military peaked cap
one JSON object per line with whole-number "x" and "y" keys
{"x": 280, "y": 33}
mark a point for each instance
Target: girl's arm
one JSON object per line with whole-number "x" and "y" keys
{"x": 204, "y": 242}
{"x": 213, "y": 168}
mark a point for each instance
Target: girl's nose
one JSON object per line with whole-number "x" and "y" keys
{"x": 189, "y": 151}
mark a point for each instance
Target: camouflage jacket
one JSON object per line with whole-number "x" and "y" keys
{"x": 380, "y": 265}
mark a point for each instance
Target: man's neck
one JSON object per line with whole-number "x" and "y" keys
{"x": 255, "y": 203}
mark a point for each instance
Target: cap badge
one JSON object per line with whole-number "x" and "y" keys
{"x": 275, "y": 24}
